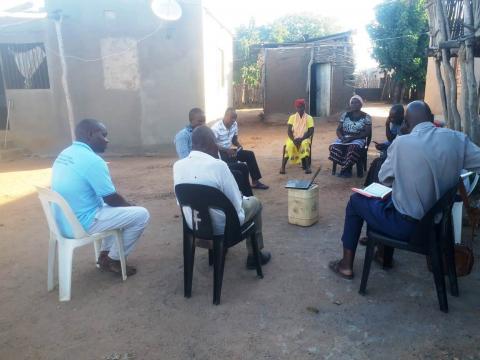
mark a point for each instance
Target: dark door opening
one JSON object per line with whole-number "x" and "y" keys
{"x": 3, "y": 102}
{"x": 320, "y": 88}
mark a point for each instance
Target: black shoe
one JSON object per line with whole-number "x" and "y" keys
{"x": 260, "y": 186}
{"x": 265, "y": 257}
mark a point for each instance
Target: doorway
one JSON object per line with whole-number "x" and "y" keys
{"x": 320, "y": 85}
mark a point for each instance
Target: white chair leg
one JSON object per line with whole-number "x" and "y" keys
{"x": 457, "y": 210}
{"x": 65, "y": 256}
{"x": 121, "y": 253}
{"x": 52, "y": 242}
{"x": 97, "y": 244}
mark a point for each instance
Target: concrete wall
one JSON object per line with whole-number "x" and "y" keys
{"x": 144, "y": 77}
{"x": 145, "y": 108}
{"x": 37, "y": 117}
{"x": 286, "y": 78}
{"x": 218, "y": 67}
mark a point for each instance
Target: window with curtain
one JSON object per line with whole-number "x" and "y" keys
{"x": 24, "y": 66}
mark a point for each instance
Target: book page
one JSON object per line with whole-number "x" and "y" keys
{"x": 377, "y": 190}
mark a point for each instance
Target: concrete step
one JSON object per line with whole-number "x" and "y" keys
{"x": 10, "y": 154}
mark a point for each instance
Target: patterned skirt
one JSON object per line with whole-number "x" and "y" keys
{"x": 346, "y": 155}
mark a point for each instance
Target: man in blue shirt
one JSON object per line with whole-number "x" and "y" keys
{"x": 183, "y": 145}
{"x": 83, "y": 179}
{"x": 183, "y": 139}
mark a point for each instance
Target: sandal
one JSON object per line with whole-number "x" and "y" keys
{"x": 109, "y": 265}
{"x": 335, "y": 267}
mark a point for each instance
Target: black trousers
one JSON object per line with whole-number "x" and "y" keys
{"x": 245, "y": 156}
{"x": 241, "y": 174}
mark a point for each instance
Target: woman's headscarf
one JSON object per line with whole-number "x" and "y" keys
{"x": 358, "y": 97}
{"x": 299, "y": 102}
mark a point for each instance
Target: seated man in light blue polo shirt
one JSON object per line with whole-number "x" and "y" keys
{"x": 83, "y": 179}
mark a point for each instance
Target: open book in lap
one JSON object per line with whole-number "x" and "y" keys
{"x": 374, "y": 190}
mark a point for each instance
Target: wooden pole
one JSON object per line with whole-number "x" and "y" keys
{"x": 63, "y": 63}
{"x": 454, "y": 116}
{"x": 470, "y": 72}
{"x": 465, "y": 108}
{"x": 441, "y": 87}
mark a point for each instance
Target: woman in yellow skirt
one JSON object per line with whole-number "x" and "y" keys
{"x": 300, "y": 132}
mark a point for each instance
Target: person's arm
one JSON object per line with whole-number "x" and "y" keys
{"x": 181, "y": 145}
{"x": 98, "y": 176}
{"x": 340, "y": 131}
{"x": 388, "y": 132}
{"x": 471, "y": 160}
{"x": 386, "y": 175}
{"x": 228, "y": 150}
{"x": 290, "y": 132}
{"x": 235, "y": 141}
{"x": 230, "y": 188}
{"x": 308, "y": 134}
{"x": 116, "y": 200}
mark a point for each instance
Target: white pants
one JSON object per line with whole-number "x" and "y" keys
{"x": 132, "y": 220}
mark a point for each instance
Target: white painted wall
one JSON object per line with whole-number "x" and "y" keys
{"x": 218, "y": 66}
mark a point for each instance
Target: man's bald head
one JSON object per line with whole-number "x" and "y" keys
{"x": 93, "y": 133}
{"x": 417, "y": 112}
{"x": 85, "y": 127}
{"x": 203, "y": 140}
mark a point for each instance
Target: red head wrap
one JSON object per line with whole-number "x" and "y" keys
{"x": 299, "y": 102}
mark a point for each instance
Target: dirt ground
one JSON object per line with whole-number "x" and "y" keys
{"x": 300, "y": 310}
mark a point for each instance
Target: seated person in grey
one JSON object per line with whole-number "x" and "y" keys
{"x": 183, "y": 145}
{"x": 201, "y": 166}
{"x": 421, "y": 166}
{"x": 82, "y": 177}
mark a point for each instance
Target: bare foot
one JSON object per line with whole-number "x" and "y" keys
{"x": 337, "y": 267}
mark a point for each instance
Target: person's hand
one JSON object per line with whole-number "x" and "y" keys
{"x": 231, "y": 152}
{"x": 297, "y": 142}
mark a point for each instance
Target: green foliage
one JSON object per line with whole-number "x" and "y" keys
{"x": 301, "y": 27}
{"x": 400, "y": 40}
{"x": 298, "y": 27}
{"x": 250, "y": 74}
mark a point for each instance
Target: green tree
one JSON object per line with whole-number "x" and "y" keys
{"x": 301, "y": 27}
{"x": 400, "y": 39}
{"x": 297, "y": 27}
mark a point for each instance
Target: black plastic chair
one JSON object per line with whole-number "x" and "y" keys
{"x": 201, "y": 199}
{"x": 362, "y": 162}
{"x": 429, "y": 239}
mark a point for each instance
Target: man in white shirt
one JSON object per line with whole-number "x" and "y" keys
{"x": 226, "y": 136}
{"x": 202, "y": 167}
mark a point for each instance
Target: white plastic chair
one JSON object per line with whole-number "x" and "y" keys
{"x": 66, "y": 246}
{"x": 457, "y": 209}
